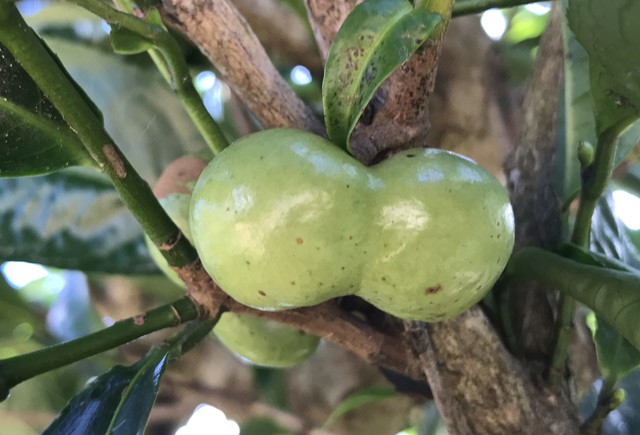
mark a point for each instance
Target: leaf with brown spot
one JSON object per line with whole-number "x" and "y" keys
{"x": 375, "y": 39}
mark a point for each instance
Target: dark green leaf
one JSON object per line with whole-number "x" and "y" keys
{"x": 117, "y": 402}
{"x": 616, "y": 356}
{"x": 579, "y": 119}
{"x": 609, "y": 33}
{"x": 358, "y": 399}
{"x": 375, "y": 39}
{"x": 34, "y": 139}
{"x": 73, "y": 220}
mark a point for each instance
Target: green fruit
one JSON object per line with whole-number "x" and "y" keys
{"x": 285, "y": 219}
{"x": 259, "y": 341}
{"x": 264, "y": 342}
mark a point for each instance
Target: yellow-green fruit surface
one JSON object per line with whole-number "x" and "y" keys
{"x": 283, "y": 218}
{"x": 259, "y": 341}
{"x": 264, "y": 342}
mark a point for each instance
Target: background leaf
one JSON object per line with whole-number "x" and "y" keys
{"x": 609, "y": 33}
{"x": 374, "y": 40}
{"x": 72, "y": 220}
{"x": 616, "y": 356}
{"x": 357, "y": 400}
{"x": 34, "y": 139}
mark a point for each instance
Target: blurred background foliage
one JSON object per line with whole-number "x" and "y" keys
{"x": 76, "y": 237}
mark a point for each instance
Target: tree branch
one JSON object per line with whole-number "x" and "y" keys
{"x": 479, "y": 387}
{"x": 529, "y": 171}
{"x": 224, "y": 36}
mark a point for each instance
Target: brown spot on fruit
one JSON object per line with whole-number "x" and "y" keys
{"x": 299, "y": 241}
{"x": 261, "y": 293}
{"x": 434, "y": 289}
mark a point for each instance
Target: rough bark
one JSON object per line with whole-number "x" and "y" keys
{"x": 529, "y": 169}
{"x": 398, "y": 115}
{"x": 291, "y": 42}
{"x": 479, "y": 387}
{"x": 225, "y": 37}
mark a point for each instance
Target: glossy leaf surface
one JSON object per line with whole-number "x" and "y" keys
{"x": 375, "y": 39}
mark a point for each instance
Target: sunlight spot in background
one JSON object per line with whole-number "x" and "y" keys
{"x": 206, "y": 420}
{"x": 205, "y": 81}
{"x": 19, "y": 273}
{"x": 300, "y": 75}
{"x": 539, "y": 8}
{"x": 627, "y": 207}
{"x": 30, "y": 7}
{"x": 212, "y": 93}
{"x": 494, "y": 23}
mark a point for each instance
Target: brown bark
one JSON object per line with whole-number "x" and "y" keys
{"x": 224, "y": 36}
{"x": 479, "y": 387}
{"x": 529, "y": 169}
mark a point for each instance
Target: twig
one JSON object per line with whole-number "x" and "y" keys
{"x": 20, "y": 368}
{"x": 224, "y": 36}
{"x": 168, "y": 58}
{"x": 594, "y": 182}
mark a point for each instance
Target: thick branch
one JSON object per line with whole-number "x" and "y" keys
{"x": 479, "y": 387}
{"x": 529, "y": 172}
{"x": 224, "y": 36}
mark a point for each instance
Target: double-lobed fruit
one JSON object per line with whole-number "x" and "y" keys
{"x": 259, "y": 341}
{"x": 283, "y": 218}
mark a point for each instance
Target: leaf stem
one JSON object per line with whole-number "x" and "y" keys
{"x": 29, "y": 50}
{"x": 20, "y": 368}
{"x": 168, "y": 58}
{"x": 608, "y": 399}
{"x": 466, "y": 7}
{"x": 594, "y": 181}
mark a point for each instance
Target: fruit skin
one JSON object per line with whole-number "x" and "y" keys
{"x": 284, "y": 219}
{"x": 258, "y": 341}
{"x": 264, "y": 342}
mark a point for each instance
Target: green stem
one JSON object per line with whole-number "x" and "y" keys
{"x": 20, "y": 368}
{"x": 594, "y": 182}
{"x": 608, "y": 399}
{"x": 168, "y": 58}
{"x": 30, "y": 52}
{"x": 466, "y": 7}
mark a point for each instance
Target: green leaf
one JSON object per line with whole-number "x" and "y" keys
{"x": 616, "y": 356}
{"x": 117, "y": 402}
{"x": 358, "y": 399}
{"x": 142, "y": 115}
{"x": 72, "y": 219}
{"x": 124, "y": 41}
{"x": 609, "y": 33}
{"x": 34, "y": 139}
{"x": 374, "y": 40}
{"x": 579, "y": 119}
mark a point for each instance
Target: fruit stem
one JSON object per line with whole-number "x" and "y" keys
{"x": 594, "y": 181}
{"x": 32, "y": 54}
{"x": 167, "y": 57}
{"x": 20, "y": 368}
